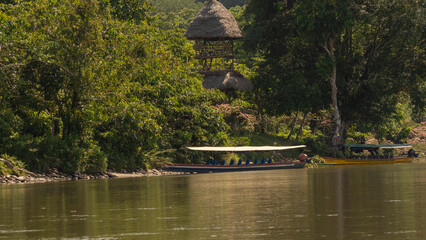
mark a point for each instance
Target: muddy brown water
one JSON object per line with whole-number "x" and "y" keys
{"x": 354, "y": 202}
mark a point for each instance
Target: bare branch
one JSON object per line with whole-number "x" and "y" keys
{"x": 2, "y": 66}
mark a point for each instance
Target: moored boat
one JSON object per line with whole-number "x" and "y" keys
{"x": 373, "y": 158}
{"x": 241, "y": 165}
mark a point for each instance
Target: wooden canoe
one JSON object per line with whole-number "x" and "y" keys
{"x": 357, "y": 161}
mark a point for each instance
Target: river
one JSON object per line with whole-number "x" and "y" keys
{"x": 354, "y": 202}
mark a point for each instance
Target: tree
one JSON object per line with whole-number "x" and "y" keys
{"x": 174, "y": 6}
{"x": 378, "y": 61}
{"x": 90, "y": 83}
{"x": 368, "y": 52}
{"x": 53, "y": 47}
{"x": 324, "y": 22}
{"x": 134, "y": 10}
{"x": 286, "y": 79}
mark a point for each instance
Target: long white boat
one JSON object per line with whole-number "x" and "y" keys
{"x": 241, "y": 165}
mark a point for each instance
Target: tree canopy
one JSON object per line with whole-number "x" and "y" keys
{"x": 86, "y": 83}
{"x": 91, "y": 84}
{"x": 370, "y": 51}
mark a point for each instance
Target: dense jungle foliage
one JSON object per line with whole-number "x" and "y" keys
{"x": 373, "y": 50}
{"x": 87, "y": 85}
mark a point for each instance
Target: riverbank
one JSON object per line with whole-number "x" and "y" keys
{"x": 55, "y": 176}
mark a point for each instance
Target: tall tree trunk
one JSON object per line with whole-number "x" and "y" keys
{"x": 301, "y": 126}
{"x": 329, "y": 48}
{"x": 314, "y": 123}
{"x": 292, "y": 126}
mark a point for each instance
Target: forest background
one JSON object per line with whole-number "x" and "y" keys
{"x": 91, "y": 85}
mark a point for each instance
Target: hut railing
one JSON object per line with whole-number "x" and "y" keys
{"x": 205, "y": 49}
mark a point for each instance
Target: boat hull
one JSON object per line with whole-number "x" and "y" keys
{"x": 354, "y": 161}
{"x": 199, "y": 168}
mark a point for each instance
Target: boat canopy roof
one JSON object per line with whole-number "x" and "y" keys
{"x": 405, "y": 145}
{"x": 245, "y": 148}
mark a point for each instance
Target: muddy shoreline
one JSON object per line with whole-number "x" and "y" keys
{"x": 56, "y": 176}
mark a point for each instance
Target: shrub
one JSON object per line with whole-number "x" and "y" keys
{"x": 10, "y": 165}
{"x": 94, "y": 160}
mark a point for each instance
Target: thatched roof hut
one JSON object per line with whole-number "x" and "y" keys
{"x": 214, "y": 30}
{"x": 214, "y": 22}
{"x": 223, "y": 80}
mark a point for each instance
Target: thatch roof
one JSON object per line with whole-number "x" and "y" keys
{"x": 224, "y": 80}
{"x": 213, "y": 22}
